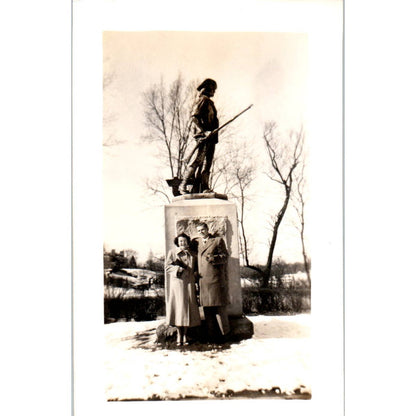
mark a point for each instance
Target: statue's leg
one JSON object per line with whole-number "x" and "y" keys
{"x": 190, "y": 171}
{"x": 209, "y": 156}
{"x": 205, "y": 182}
{"x": 196, "y": 186}
{"x": 188, "y": 174}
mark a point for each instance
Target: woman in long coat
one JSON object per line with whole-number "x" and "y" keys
{"x": 182, "y": 308}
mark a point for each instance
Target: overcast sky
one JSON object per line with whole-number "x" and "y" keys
{"x": 269, "y": 70}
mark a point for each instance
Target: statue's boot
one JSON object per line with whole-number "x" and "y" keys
{"x": 188, "y": 174}
{"x": 205, "y": 182}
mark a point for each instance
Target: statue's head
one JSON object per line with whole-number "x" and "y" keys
{"x": 208, "y": 87}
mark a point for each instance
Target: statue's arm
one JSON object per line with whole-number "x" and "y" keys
{"x": 198, "y": 117}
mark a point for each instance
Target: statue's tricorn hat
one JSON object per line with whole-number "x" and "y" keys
{"x": 207, "y": 83}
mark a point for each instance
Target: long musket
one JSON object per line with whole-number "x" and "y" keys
{"x": 200, "y": 141}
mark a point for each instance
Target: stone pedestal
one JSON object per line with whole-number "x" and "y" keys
{"x": 183, "y": 215}
{"x": 186, "y": 211}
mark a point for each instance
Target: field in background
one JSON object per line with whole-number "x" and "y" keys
{"x": 138, "y": 295}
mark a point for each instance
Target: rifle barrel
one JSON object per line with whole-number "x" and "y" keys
{"x": 230, "y": 121}
{"x": 216, "y": 131}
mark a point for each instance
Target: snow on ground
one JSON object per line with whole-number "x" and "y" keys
{"x": 276, "y": 357}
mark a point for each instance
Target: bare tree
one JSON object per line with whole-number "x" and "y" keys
{"x": 157, "y": 187}
{"x": 244, "y": 177}
{"x": 299, "y": 202}
{"x": 168, "y": 119}
{"x": 222, "y": 171}
{"x": 237, "y": 169}
{"x": 131, "y": 254}
{"x": 284, "y": 155}
{"x": 109, "y": 116}
{"x": 168, "y": 116}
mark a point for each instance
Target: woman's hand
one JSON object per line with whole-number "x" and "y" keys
{"x": 180, "y": 263}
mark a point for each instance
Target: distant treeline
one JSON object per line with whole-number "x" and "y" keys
{"x": 116, "y": 261}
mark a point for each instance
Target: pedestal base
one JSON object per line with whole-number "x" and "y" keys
{"x": 205, "y": 195}
{"x": 240, "y": 328}
{"x": 220, "y": 215}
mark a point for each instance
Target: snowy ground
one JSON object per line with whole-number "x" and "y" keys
{"x": 276, "y": 360}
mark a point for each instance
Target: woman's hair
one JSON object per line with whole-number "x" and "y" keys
{"x": 176, "y": 240}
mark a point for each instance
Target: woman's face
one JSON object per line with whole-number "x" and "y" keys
{"x": 183, "y": 242}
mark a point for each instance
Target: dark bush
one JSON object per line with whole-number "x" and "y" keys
{"x": 276, "y": 300}
{"x": 136, "y": 308}
{"x": 116, "y": 281}
{"x": 159, "y": 280}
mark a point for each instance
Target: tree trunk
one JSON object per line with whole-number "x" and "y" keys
{"x": 305, "y": 257}
{"x": 243, "y": 232}
{"x": 257, "y": 269}
{"x": 280, "y": 215}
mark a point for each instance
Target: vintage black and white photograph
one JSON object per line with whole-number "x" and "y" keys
{"x": 207, "y": 265}
{"x": 208, "y": 162}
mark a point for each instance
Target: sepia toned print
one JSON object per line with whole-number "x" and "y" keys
{"x": 207, "y": 267}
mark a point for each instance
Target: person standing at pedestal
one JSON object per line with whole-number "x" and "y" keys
{"x": 213, "y": 282}
{"x": 182, "y": 308}
{"x": 204, "y": 121}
